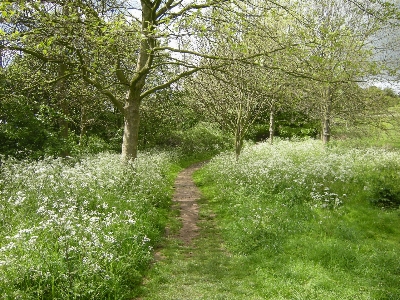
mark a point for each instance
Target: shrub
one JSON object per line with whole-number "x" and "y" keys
{"x": 384, "y": 186}
{"x": 202, "y": 138}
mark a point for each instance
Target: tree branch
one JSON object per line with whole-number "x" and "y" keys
{"x": 168, "y": 83}
{"x": 120, "y": 73}
{"x": 49, "y": 82}
{"x": 168, "y": 6}
{"x": 35, "y": 54}
{"x": 187, "y": 8}
{"x": 219, "y": 57}
{"x": 105, "y": 92}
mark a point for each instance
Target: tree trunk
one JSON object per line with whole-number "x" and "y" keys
{"x": 133, "y": 99}
{"x": 326, "y": 122}
{"x": 271, "y": 124}
{"x": 239, "y": 131}
{"x": 326, "y": 130}
{"x": 63, "y": 122}
{"x": 1, "y": 55}
{"x": 63, "y": 106}
{"x": 131, "y": 126}
{"x": 238, "y": 143}
{"x": 83, "y": 125}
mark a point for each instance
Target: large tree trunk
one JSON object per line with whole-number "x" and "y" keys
{"x": 133, "y": 99}
{"x": 131, "y": 127}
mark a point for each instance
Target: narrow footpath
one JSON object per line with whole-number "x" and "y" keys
{"x": 186, "y": 197}
{"x": 192, "y": 262}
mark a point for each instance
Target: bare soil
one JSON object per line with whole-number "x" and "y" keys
{"x": 186, "y": 196}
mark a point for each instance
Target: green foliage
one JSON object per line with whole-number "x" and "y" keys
{"x": 302, "y": 214}
{"x": 258, "y": 132}
{"x": 80, "y": 229}
{"x": 296, "y": 124}
{"x": 384, "y": 188}
{"x": 378, "y": 128}
{"x": 29, "y": 129}
{"x": 162, "y": 116}
{"x": 34, "y": 114}
{"x": 24, "y": 130}
{"x": 92, "y": 144}
{"x": 288, "y": 124}
{"x": 201, "y": 138}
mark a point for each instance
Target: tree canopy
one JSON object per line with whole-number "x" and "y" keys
{"x": 125, "y": 52}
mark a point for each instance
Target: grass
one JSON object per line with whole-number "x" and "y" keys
{"x": 203, "y": 270}
{"x": 81, "y": 229}
{"x": 85, "y": 228}
{"x": 292, "y": 221}
{"x": 381, "y": 131}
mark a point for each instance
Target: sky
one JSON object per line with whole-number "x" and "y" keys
{"x": 389, "y": 40}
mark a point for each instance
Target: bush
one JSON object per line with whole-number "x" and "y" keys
{"x": 202, "y": 138}
{"x": 385, "y": 186}
{"x": 258, "y": 132}
{"x": 22, "y": 132}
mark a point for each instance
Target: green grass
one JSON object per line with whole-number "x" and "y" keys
{"x": 203, "y": 270}
{"x": 290, "y": 221}
{"x": 81, "y": 229}
{"x": 379, "y": 131}
{"x": 293, "y": 221}
{"x": 307, "y": 217}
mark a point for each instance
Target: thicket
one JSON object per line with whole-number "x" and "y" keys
{"x": 32, "y": 125}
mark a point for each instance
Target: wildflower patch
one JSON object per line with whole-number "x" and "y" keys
{"x": 84, "y": 230}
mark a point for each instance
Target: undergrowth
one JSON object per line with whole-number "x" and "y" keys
{"x": 80, "y": 229}
{"x": 315, "y": 222}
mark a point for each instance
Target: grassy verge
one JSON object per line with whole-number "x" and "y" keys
{"x": 203, "y": 270}
{"x": 311, "y": 222}
{"x": 81, "y": 230}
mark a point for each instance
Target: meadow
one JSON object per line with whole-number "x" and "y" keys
{"x": 81, "y": 229}
{"x": 293, "y": 220}
{"x": 308, "y": 221}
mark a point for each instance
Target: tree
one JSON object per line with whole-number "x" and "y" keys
{"x": 60, "y": 121}
{"x": 226, "y": 99}
{"x": 236, "y": 95}
{"x": 110, "y": 46}
{"x": 116, "y": 46}
{"x": 338, "y": 53}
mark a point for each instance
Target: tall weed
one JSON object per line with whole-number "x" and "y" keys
{"x": 331, "y": 210}
{"x": 80, "y": 230}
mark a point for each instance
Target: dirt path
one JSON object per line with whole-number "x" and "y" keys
{"x": 193, "y": 263}
{"x": 186, "y": 196}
